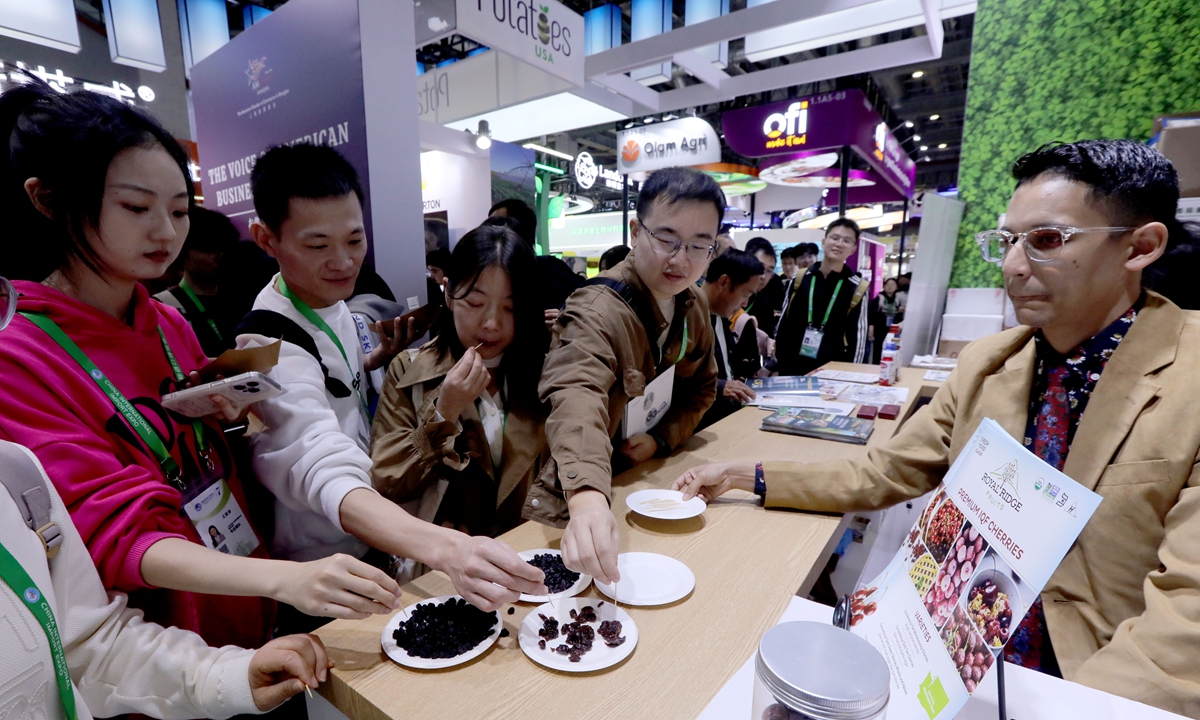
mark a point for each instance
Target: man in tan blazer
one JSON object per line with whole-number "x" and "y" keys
{"x": 1122, "y": 612}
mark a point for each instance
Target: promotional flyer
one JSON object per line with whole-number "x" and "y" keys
{"x": 966, "y": 574}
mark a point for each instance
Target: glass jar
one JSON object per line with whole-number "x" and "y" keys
{"x": 815, "y": 671}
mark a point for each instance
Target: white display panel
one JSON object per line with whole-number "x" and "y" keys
{"x": 45, "y": 22}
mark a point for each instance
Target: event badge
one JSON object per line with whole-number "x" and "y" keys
{"x": 643, "y": 413}
{"x": 220, "y": 521}
{"x": 812, "y": 342}
{"x": 974, "y": 563}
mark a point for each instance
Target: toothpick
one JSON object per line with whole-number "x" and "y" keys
{"x": 306, "y": 687}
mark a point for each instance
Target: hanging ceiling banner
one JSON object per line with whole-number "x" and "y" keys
{"x": 820, "y": 122}
{"x": 542, "y": 33}
{"x": 135, "y": 34}
{"x": 45, "y": 22}
{"x": 686, "y": 141}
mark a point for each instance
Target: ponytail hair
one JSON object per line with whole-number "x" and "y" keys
{"x": 67, "y": 141}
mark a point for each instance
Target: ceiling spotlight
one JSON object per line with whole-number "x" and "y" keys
{"x": 908, "y": 123}
{"x": 670, "y": 116}
{"x": 935, "y": 116}
{"x": 483, "y": 138}
{"x": 941, "y": 146}
{"x": 649, "y": 120}
{"x": 923, "y": 148}
{"x": 919, "y": 74}
{"x": 917, "y": 138}
{"x": 629, "y": 124}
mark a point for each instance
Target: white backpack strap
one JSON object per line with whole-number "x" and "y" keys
{"x": 23, "y": 479}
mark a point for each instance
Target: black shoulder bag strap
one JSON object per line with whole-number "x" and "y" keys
{"x": 637, "y": 302}
{"x": 24, "y": 482}
{"x": 269, "y": 323}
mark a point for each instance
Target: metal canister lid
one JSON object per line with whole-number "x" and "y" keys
{"x": 823, "y": 671}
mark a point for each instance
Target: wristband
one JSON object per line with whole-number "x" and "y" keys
{"x": 760, "y": 481}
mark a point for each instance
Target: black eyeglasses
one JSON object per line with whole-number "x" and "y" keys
{"x": 667, "y": 245}
{"x": 1042, "y": 244}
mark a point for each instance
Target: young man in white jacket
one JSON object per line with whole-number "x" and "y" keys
{"x": 117, "y": 662}
{"x": 313, "y": 454}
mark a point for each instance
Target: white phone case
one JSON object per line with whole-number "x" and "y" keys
{"x": 240, "y": 390}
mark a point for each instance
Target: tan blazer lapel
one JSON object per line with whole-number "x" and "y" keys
{"x": 523, "y": 440}
{"x": 1123, "y": 390}
{"x": 1004, "y": 396}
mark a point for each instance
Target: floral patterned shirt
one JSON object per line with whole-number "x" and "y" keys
{"x": 1080, "y": 370}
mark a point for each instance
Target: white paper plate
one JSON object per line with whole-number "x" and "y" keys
{"x": 643, "y": 502}
{"x": 601, "y": 656}
{"x": 401, "y": 655}
{"x": 650, "y": 579}
{"x": 579, "y": 586}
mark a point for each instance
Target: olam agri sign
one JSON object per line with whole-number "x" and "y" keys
{"x": 687, "y": 141}
{"x": 542, "y": 33}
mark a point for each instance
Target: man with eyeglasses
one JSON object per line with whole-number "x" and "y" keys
{"x": 630, "y": 366}
{"x": 1100, "y": 380}
{"x": 823, "y": 319}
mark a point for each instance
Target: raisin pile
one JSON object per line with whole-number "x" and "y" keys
{"x": 558, "y": 577}
{"x": 444, "y": 630}
{"x": 610, "y": 630}
{"x": 579, "y": 635}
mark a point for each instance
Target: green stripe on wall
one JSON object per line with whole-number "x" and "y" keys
{"x": 1068, "y": 70}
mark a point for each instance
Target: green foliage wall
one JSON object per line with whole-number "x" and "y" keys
{"x": 1068, "y": 70}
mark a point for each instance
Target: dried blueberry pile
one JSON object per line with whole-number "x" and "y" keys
{"x": 558, "y": 577}
{"x": 549, "y": 629}
{"x": 444, "y": 630}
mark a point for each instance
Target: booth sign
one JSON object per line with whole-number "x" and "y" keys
{"x": 542, "y": 33}
{"x": 686, "y": 141}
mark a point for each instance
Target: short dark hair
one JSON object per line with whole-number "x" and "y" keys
{"x": 760, "y": 244}
{"x": 741, "y": 266}
{"x": 438, "y": 258}
{"x": 680, "y": 184}
{"x": 302, "y": 170}
{"x": 789, "y": 253}
{"x": 846, "y": 223}
{"x": 807, "y": 248}
{"x": 66, "y": 140}
{"x": 522, "y": 215}
{"x": 210, "y": 231}
{"x": 612, "y": 256}
{"x": 1132, "y": 182}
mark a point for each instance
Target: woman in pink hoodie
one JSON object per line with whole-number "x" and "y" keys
{"x": 95, "y": 197}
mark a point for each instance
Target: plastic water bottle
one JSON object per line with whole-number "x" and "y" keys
{"x": 889, "y": 361}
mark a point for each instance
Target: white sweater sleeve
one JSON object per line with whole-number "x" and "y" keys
{"x": 303, "y": 457}
{"x": 119, "y": 663}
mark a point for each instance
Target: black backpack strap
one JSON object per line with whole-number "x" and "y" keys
{"x": 23, "y": 479}
{"x": 269, "y": 323}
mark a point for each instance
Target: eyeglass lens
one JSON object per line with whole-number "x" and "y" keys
{"x": 8, "y": 302}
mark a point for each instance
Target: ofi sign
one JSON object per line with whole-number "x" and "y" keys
{"x": 787, "y": 129}
{"x": 587, "y": 172}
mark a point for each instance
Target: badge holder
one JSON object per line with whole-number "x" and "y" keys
{"x": 811, "y": 344}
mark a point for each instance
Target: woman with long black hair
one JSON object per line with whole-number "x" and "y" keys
{"x": 459, "y": 434}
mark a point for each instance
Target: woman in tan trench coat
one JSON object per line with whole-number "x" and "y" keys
{"x": 459, "y": 434}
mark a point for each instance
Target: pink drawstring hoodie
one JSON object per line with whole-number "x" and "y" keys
{"x": 112, "y": 485}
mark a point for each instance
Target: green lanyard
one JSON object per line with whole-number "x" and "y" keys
{"x": 180, "y": 378}
{"x": 16, "y": 578}
{"x": 136, "y": 420}
{"x": 312, "y": 316}
{"x": 212, "y": 324}
{"x": 832, "y": 300}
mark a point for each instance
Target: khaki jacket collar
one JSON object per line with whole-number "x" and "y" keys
{"x": 1124, "y": 389}
{"x": 627, "y": 273}
{"x": 426, "y": 364}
